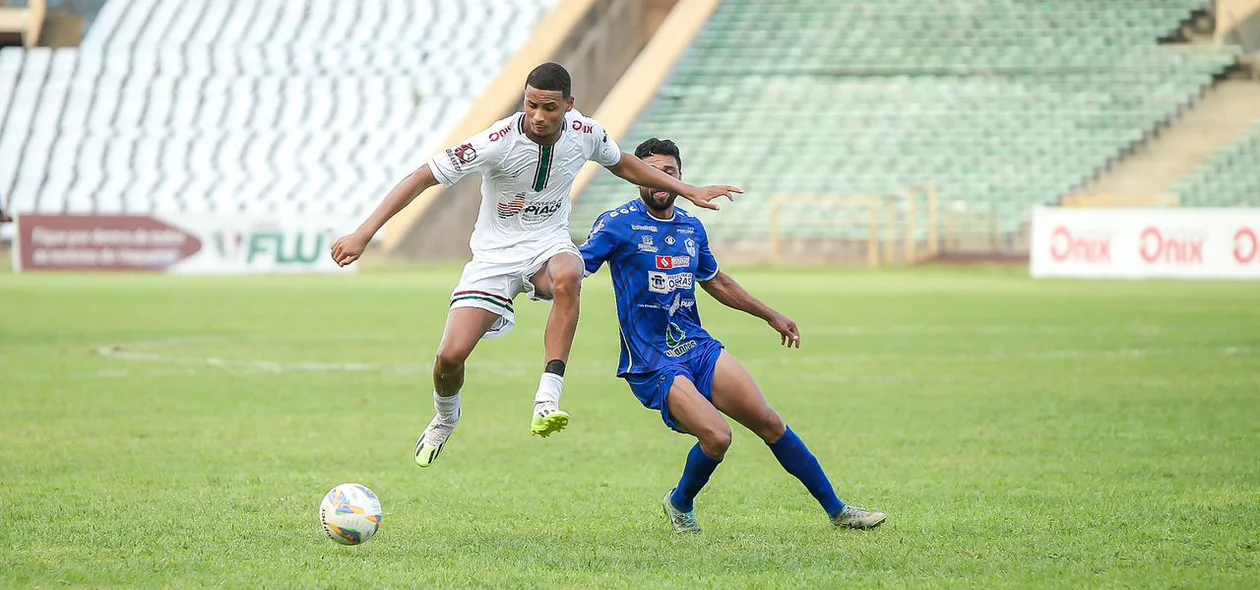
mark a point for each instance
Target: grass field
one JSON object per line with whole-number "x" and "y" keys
{"x": 162, "y": 431}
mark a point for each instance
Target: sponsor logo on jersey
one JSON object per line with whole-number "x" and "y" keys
{"x": 466, "y": 153}
{"x": 686, "y": 231}
{"x": 674, "y": 335}
{"x": 637, "y": 227}
{"x": 659, "y": 282}
{"x": 599, "y": 226}
{"x": 583, "y": 127}
{"x": 681, "y": 349}
{"x": 511, "y": 207}
{"x": 537, "y": 212}
{"x": 500, "y": 133}
{"x": 646, "y": 245}
{"x": 672, "y": 262}
{"x": 669, "y": 240}
{"x": 677, "y": 341}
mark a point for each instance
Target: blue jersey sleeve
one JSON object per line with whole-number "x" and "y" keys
{"x": 707, "y": 264}
{"x": 600, "y": 245}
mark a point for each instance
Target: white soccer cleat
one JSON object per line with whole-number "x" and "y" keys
{"x": 432, "y": 440}
{"x": 857, "y": 518}
{"x": 683, "y": 522}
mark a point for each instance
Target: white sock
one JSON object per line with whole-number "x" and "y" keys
{"x": 550, "y": 386}
{"x": 447, "y": 407}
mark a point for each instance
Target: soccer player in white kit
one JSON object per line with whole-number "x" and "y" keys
{"x": 521, "y": 241}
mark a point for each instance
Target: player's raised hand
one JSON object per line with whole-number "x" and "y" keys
{"x": 704, "y": 195}
{"x": 349, "y": 248}
{"x": 789, "y": 334}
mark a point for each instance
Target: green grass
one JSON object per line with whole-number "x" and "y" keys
{"x": 164, "y": 431}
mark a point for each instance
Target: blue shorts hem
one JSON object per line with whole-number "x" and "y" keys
{"x": 652, "y": 388}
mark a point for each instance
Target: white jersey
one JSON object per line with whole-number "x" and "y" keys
{"x": 525, "y": 187}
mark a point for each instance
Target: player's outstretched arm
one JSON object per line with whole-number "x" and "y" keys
{"x": 637, "y": 172}
{"x": 729, "y": 293}
{"x": 348, "y": 248}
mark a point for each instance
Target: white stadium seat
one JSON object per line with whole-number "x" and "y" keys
{"x": 270, "y": 106}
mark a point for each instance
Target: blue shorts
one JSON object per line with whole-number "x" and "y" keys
{"x": 653, "y": 388}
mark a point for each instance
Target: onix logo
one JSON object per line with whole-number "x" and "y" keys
{"x": 500, "y": 133}
{"x": 1246, "y": 246}
{"x": 1064, "y": 247}
{"x": 1157, "y": 248}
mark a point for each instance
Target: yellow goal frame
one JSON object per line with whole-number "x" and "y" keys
{"x": 884, "y": 216}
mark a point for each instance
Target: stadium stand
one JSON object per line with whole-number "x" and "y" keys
{"x": 1229, "y": 178}
{"x": 270, "y": 105}
{"x": 999, "y": 104}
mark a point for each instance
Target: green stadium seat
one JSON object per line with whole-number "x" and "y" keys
{"x": 1002, "y": 105}
{"x": 1229, "y": 178}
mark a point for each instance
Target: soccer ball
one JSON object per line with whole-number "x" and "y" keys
{"x": 350, "y": 513}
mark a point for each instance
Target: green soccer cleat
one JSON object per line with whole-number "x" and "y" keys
{"x": 548, "y": 419}
{"x": 683, "y": 522}
{"x": 432, "y": 441}
{"x": 856, "y": 518}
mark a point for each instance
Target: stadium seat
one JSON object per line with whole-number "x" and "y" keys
{"x": 272, "y": 105}
{"x": 1229, "y": 178}
{"x": 1001, "y": 105}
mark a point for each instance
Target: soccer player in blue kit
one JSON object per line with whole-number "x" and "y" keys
{"x": 656, "y": 253}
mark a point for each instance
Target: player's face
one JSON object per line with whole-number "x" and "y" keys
{"x": 660, "y": 200}
{"x": 544, "y": 111}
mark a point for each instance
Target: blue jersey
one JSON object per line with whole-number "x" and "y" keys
{"x": 655, "y": 267}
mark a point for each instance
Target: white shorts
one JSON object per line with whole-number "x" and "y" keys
{"x": 493, "y": 286}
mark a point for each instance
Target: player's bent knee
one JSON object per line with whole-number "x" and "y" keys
{"x": 566, "y": 283}
{"x": 716, "y": 441}
{"x": 449, "y": 360}
{"x": 772, "y": 427}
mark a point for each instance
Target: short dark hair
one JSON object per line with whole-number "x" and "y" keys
{"x": 551, "y": 76}
{"x": 658, "y": 147}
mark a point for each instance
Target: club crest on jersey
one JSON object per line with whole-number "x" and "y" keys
{"x": 646, "y": 244}
{"x": 690, "y": 244}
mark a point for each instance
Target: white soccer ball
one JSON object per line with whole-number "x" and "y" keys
{"x": 350, "y": 513}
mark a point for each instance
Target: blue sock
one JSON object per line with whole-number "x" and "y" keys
{"x": 699, "y": 467}
{"x": 795, "y": 457}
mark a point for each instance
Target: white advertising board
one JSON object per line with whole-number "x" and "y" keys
{"x": 1140, "y": 243}
{"x": 176, "y": 243}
